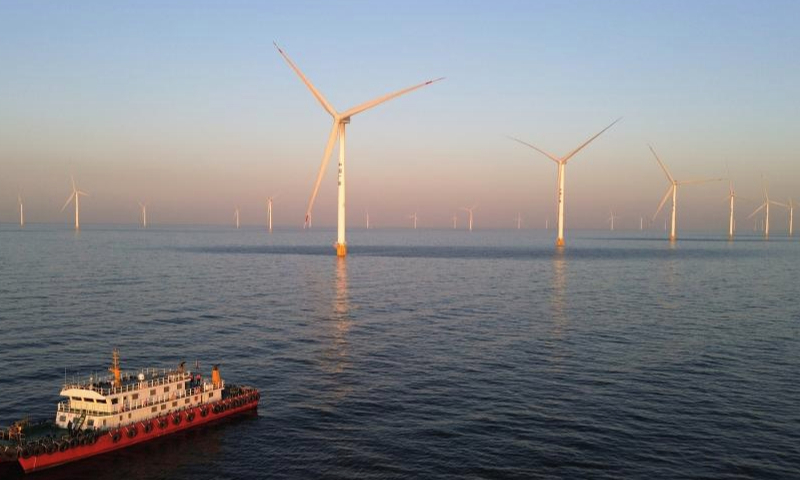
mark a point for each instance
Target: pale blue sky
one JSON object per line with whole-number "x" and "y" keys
{"x": 169, "y": 103}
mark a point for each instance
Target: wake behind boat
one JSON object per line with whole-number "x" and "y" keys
{"x": 102, "y": 415}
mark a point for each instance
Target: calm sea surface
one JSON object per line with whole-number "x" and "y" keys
{"x": 426, "y": 354}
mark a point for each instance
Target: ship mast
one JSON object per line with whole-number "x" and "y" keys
{"x": 115, "y": 368}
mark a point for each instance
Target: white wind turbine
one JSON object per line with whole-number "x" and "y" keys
{"x": 143, "y": 206}
{"x": 471, "y": 211}
{"x": 519, "y": 221}
{"x": 413, "y": 216}
{"x": 455, "y": 222}
{"x": 562, "y": 163}
{"x": 731, "y": 197}
{"x": 367, "y": 219}
{"x": 21, "y": 211}
{"x": 236, "y": 216}
{"x": 611, "y": 219}
{"x": 672, "y": 190}
{"x": 791, "y": 217}
{"x": 76, "y": 194}
{"x": 340, "y": 120}
{"x": 765, "y": 207}
{"x": 269, "y": 212}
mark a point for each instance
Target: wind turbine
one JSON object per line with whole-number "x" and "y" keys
{"x": 562, "y": 163}
{"x": 76, "y": 194}
{"x": 641, "y": 223}
{"x": 367, "y": 219}
{"x": 791, "y": 217}
{"x": 340, "y": 120}
{"x": 765, "y": 206}
{"x": 673, "y": 191}
{"x": 144, "y": 214}
{"x": 414, "y": 217}
{"x": 236, "y": 216}
{"x": 21, "y": 211}
{"x": 455, "y": 222}
{"x": 519, "y": 221}
{"x": 731, "y": 199}
{"x": 269, "y": 212}
{"x": 470, "y": 210}
{"x": 611, "y": 219}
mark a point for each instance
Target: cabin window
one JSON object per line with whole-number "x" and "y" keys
{"x": 174, "y": 404}
{"x": 186, "y": 401}
{"x": 90, "y": 422}
{"x": 210, "y": 394}
{"x": 120, "y": 418}
{"x": 104, "y": 423}
{"x": 129, "y": 415}
{"x": 153, "y": 392}
{"x": 166, "y": 389}
{"x": 75, "y": 399}
{"x": 62, "y": 418}
{"x": 164, "y": 406}
{"x": 114, "y": 401}
{"x": 153, "y": 409}
{"x": 91, "y": 400}
{"x": 135, "y": 396}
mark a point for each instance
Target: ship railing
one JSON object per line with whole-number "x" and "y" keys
{"x": 157, "y": 378}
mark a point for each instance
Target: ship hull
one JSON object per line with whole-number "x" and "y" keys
{"x": 144, "y": 431}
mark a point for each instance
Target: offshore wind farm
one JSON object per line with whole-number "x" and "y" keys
{"x": 443, "y": 329}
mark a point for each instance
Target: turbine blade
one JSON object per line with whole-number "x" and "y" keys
{"x": 69, "y": 199}
{"x": 548, "y": 155}
{"x": 320, "y": 98}
{"x": 700, "y": 180}
{"x": 82, "y": 193}
{"x": 779, "y": 204}
{"x": 663, "y": 167}
{"x": 386, "y": 98}
{"x": 663, "y": 201}
{"x": 587, "y": 142}
{"x": 757, "y": 210}
{"x": 334, "y": 135}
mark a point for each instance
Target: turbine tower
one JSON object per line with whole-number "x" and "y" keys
{"x": 143, "y": 206}
{"x": 21, "y": 211}
{"x": 414, "y": 217}
{"x": 731, "y": 197}
{"x": 269, "y": 212}
{"x": 76, "y": 194}
{"x": 236, "y": 216}
{"x": 611, "y": 219}
{"x": 455, "y": 222}
{"x": 340, "y": 120}
{"x": 470, "y": 210}
{"x": 519, "y": 221}
{"x": 367, "y": 219}
{"x": 765, "y": 206}
{"x": 672, "y": 190}
{"x": 562, "y": 163}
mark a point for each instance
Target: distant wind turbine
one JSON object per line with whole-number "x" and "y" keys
{"x": 21, "y": 211}
{"x": 562, "y": 163}
{"x": 471, "y": 211}
{"x": 519, "y": 221}
{"x": 611, "y": 219}
{"x": 731, "y": 197}
{"x": 236, "y": 216}
{"x": 76, "y": 194}
{"x": 641, "y": 223}
{"x": 340, "y": 120}
{"x": 673, "y": 191}
{"x": 413, "y": 216}
{"x": 455, "y": 222}
{"x": 765, "y": 207}
{"x": 143, "y": 206}
{"x": 269, "y": 212}
{"x": 367, "y": 219}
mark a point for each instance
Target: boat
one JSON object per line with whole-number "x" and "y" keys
{"x": 101, "y": 415}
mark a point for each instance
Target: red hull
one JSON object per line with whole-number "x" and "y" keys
{"x": 106, "y": 442}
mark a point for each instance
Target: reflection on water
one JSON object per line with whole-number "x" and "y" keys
{"x": 337, "y": 354}
{"x": 558, "y": 300}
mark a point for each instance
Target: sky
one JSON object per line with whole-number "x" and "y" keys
{"x": 188, "y": 106}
